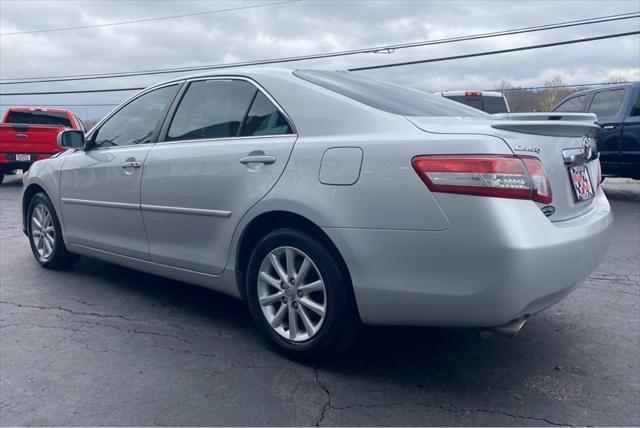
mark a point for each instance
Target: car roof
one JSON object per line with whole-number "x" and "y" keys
{"x": 607, "y": 87}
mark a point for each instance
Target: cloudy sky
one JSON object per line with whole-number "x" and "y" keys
{"x": 300, "y": 28}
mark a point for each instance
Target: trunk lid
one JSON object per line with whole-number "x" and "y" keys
{"x": 557, "y": 140}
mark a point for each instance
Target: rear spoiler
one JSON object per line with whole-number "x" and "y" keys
{"x": 555, "y": 124}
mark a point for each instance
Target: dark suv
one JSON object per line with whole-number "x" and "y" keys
{"x": 618, "y": 111}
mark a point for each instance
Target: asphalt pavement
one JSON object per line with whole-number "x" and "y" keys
{"x": 105, "y": 345}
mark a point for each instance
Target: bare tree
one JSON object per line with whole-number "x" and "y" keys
{"x": 617, "y": 78}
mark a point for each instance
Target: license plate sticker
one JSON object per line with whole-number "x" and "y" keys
{"x": 581, "y": 182}
{"x": 23, "y": 157}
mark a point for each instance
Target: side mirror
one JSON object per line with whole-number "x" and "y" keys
{"x": 71, "y": 139}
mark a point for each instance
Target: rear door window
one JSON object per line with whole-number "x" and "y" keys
{"x": 607, "y": 103}
{"x": 212, "y": 109}
{"x": 264, "y": 118}
{"x": 574, "y": 104}
{"x": 38, "y": 118}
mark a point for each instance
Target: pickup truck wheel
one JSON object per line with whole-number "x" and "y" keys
{"x": 45, "y": 235}
{"x": 299, "y": 296}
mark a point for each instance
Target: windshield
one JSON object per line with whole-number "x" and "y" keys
{"x": 387, "y": 96}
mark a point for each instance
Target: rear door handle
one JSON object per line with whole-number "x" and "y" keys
{"x": 265, "y": 159}
{"x": 609, "y": 127}
{"x": 131, "y": 164}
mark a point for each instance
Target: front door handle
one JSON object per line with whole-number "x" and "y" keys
{"x": 265, "y": 159}
{"x": 609, "y": 127}
{"x": 131, "y": 164}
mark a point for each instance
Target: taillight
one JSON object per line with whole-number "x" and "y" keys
{"x": 485, "y": 175}
{"x": 599, "y": 167}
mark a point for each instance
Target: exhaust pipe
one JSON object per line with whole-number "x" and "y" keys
{"x": 511, "y": 329}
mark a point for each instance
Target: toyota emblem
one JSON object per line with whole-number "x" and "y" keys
{"x": 586, "y": 146}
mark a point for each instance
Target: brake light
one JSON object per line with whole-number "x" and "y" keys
{"x": 473, "y": 94}
{"x": 485, "y": 175}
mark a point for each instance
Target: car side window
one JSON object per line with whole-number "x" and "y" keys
{"x": 636, "y": 108}
{"x": 572, "y": 104}
{"x": 211, "y": 109}
{"x": 607, "y": 103}
{"x": 264, "y": 118}
{"x": 136, "y": 122}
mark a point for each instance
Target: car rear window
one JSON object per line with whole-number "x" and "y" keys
{"x": 38, "y": 118}
{"x": 387, "y": 96}
{"x": 484, "y": 103}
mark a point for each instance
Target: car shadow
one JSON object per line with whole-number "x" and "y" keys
{"x": 440, "y": 357}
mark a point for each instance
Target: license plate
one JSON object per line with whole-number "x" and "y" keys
{"x": 581, "y": 182}
{"x": 22, "y": 157}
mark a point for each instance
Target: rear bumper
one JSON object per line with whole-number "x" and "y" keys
{"x": 8, "y": 161}
{"x": 499, "y": 260}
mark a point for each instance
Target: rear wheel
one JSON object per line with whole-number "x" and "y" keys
{"x": 45, "y": 235}
{"x": 299, "y": 297}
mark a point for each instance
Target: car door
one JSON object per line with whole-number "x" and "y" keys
{"x": 224, "y": 149}
{"x": 100, "y": 186}
{"x": 607, "y": 105}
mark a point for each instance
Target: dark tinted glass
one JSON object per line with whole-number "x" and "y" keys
{"x": 39, "y": 118}
{"x": 636, "y": 107}
{"x": 388, "y": 97}
{"x": 572, "y": 104}
{"x": 212, "y": 109}
{"x": 264, "y": 119}
{"x": 495, "y": 105}
{"x": 136, "y": 122}
{"x": 607, "y": 103}
{"x": 475, "y": 102}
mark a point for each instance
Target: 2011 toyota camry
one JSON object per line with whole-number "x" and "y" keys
{"x": 328, "y": 200}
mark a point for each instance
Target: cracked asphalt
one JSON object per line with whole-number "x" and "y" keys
{"x": 105, "y": 345}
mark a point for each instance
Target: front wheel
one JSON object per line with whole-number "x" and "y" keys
{"x": 45, "y": 235}
{"x": 299, "y": 296}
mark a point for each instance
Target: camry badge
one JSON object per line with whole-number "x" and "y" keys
{"x": 527, "y": 149}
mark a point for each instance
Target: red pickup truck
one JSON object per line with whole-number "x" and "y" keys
{"x": 28, "y": 134}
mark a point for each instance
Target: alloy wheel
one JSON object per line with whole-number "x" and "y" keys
{"x": 292, "y": 294}
{"x": 43, "y": 233}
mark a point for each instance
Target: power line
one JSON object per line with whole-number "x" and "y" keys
{"x": 388, "y": 48}
{"x": 138, "y": 21}
{"x": 86, "y": 91}
{"x": 449, "y": 58}
{"x": 496, "y": 52}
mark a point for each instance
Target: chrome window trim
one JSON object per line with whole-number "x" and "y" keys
{"x": 199, "y": 140}
{"x": 163, "y": 138}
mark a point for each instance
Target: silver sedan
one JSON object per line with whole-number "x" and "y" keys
{"x": 328, "y": 201}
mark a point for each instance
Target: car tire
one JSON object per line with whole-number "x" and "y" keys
{"x": 45, "y": 234}
{"x": 323, "y": 285}
{"x": 1, "y": 177}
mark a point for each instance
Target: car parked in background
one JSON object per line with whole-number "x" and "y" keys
{"x": 327, "y": 199}
{"x": 28, "y": 134}
{"x": 489, "y": 101}
{"x": 618, "y": 110}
